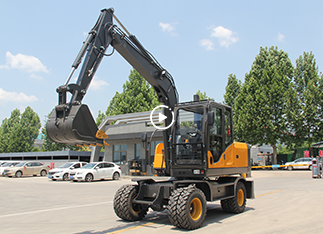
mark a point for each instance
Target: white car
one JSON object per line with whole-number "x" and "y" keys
{"x": 62, "y": 172}
{"x": 304, "y": 163}
{"x": 96, "y": 171}
{"x": 7, "y": 165}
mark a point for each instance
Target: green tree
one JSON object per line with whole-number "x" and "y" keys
{"x": 304, "y": 105}
{"x": 232, "y": 90}
{"x": 137, "y": 96}
{"x": 202, "y": 96}
{"x": 18, "y": 133}
{"x": 261, "y": 104}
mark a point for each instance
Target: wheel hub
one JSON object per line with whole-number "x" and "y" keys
{"x": 196, "y": 209}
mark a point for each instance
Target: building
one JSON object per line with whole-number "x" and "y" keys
{"x": 125, "y": 139}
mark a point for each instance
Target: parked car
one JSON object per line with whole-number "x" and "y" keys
{"x": 306, "y": 163}
{"x": 7, "y": 165}
{"x": 27, "y": 168}
{"x": 96, "y": 171}
{"x": 62, "y": 172}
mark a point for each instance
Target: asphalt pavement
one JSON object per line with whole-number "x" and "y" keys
{"x": 286, "y": 202}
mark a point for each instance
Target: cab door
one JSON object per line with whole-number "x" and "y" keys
{"x": 100, "y": 171}
{"x": 109, "y": 170}
{"x": 37, "y": 166}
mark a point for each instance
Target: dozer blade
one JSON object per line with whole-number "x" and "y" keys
{"x": 72, "y": 126}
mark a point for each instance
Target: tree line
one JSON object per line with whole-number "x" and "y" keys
{"x": 277, "y": 104}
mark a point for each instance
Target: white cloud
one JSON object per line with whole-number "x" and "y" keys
{"x": 16, "y": 97}
{"x": 36, "y": 77}
{"x": 281, "y": 37}
{"x": 168, "y": 27}
{"x": 207, "y": 43}
{"x": 97, "y": 84}
{"x": 26, "y": 63}
{"x": 224, "y": 35}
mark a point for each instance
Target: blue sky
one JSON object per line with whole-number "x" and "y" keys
{"x": 199, "y": 42}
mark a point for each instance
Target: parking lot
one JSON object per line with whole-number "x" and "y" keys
{"x": 286, "y": 202}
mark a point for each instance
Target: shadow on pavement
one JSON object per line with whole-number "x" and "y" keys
{"x": 155, "y": 220}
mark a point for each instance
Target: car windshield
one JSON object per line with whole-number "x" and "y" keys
{"x": 20, "y": 164}
{"x": 8, "y": 164}
{"x": 66, "y": 165}
{"x": 89, "y": 166}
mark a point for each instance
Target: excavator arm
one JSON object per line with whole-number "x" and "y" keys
{"x": 71, "y": 122}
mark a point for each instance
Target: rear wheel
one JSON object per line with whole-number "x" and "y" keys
{"x": 237, "y": 203}
{"x": 116, "y": 176}
{"x": 43, "y": 173}
{"x": 123, "y": 204}
{"x": 290, "y": 168}
{"x": 187, "y": 207}
{"x": 18, "y": 174}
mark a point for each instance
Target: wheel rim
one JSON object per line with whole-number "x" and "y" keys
{"x": 196, "y": 208}
{"x": 88, "y": 178}
{"x": 43, "y": 173}
{"x": 116, "y": 176}
{"x": 65, "y": 177}
{"x": 134, "y": 206}
{"x": 18, "y": 174}
{"x": 240, "y": 197}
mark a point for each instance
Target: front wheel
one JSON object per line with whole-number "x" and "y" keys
{"x": 65, "y": 177}
{"x": 187, "y": 207}
{"x": 18, "y": 174}
{"x": 123, "y": 204}
{"x": 89, "y": 178}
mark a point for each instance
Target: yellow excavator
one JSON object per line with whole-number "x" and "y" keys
{"x": 198, "y": 158}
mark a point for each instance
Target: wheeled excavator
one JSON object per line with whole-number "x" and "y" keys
{"x": 198, "y": 156}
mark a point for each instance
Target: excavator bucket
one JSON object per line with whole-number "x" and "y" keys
{"x": 72, "y": 126}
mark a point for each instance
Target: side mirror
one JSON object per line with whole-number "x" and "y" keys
{"x": 144, "y": 137}
{"x": 96, "y": 168}
{"x": 210, "y": 118}
{"x": 72, "y": 168}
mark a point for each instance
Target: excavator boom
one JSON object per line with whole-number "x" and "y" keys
{"x": 72, "y": 122}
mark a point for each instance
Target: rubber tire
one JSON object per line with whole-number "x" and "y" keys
{"x": 180, "y": 207}
{"x": 232, "y": 205}
{"x": 18, "y": 174}
{"x": 116, "y": 176}
{"x": 89, "y": 177}
{"x": 43, "y": 173}
{"x": 65, "y": 177}
{"x": 290, "y": 168}
{"x": 123, "y": 206}
{"x": 310, "y": 167}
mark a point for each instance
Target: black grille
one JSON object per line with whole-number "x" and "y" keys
{"x": 187, "y": 154}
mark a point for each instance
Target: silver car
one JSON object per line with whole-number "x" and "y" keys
{"x": 300, "y": 163}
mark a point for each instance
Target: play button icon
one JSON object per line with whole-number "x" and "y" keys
{"x": 161, "y": 117}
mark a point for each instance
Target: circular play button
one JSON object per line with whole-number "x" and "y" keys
{"x": 161, "y": 117}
